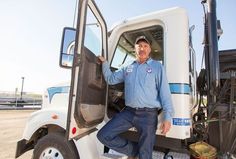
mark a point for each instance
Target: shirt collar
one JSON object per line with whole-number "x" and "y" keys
{"x": 148, "y": 61}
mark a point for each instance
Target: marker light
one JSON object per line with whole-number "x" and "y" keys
{"x": 54, "y": 116}
{"x": 73, "y": 130}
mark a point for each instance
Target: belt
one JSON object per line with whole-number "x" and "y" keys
{"x": 141, "y": 109}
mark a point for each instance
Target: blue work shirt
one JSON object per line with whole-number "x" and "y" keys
{"x": 146, "y": 85}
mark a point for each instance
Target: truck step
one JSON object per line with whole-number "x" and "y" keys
{"x": 155, "y": 155}
{"x": 112, "y": 156}
{"x": 176, "y": 155}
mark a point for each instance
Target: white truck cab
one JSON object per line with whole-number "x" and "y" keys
{"x": 72, "y": 113}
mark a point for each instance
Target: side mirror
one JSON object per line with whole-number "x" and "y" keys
{"x": 67, "y": 47}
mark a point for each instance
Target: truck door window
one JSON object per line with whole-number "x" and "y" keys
{"x": 92, "y": 34}
{"x": 120, "y": 57}
{"x": 125, "y": 48}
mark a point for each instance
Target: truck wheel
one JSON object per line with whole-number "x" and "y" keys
{"x": 55, "y": 146}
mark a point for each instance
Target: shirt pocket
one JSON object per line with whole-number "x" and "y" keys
{"x": 150, "y": 81}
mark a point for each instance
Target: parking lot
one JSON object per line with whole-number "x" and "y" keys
{"x": 12, "y": 123}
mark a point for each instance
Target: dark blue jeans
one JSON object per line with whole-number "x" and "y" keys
{"x": 144, "y": 120}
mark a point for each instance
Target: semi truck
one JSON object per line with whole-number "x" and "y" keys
{"x": 73, "y": 112}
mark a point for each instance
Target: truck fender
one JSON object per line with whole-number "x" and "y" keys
{"x": 41, "y": 118}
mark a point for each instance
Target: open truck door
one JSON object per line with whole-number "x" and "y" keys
{"x": 88, "y": 89}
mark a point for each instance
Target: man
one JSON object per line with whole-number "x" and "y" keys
{"x": 146, "y": 91}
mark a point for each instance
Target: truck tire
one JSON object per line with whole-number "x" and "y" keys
{"x": 55, "y": 146}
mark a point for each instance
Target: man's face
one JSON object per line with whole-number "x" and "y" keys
{"x": 142, "y": 49}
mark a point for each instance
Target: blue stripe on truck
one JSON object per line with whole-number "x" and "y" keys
{"x": 55, "y": 90}
{"x": 175, "y": 88}
{"x": 179, "y": 88}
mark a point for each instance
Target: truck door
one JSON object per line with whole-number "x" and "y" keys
{"x": 88, "y": 88}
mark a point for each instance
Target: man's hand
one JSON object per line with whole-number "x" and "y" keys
{"x": 165, "y": 127}
{"x": 101, "y": 58}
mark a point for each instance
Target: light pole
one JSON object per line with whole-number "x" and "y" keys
{"x": 16, "y": 90}
{"x": 21, "y": 93}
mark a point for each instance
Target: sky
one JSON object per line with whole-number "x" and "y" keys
{"x": 31, "y": 31}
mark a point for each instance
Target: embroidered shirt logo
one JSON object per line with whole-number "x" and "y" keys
{"x": 129, "y": 68}
{"x": 149, "y": 70}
